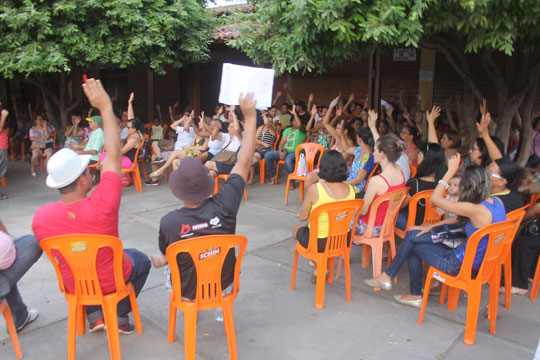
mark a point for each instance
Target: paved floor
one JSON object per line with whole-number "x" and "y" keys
{"x": 271, "y": 321}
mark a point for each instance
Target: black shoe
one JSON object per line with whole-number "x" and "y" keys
{"x": 126, "y": 329}
{"x": 151, "y": 182}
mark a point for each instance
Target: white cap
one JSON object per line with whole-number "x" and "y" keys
{"x": 65, "y": 167}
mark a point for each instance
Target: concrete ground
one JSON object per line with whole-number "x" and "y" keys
{"x": 271, "y": 321}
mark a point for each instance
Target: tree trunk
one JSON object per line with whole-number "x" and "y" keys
{"x": 468, "y": 113}
{"x": 526, "y": 125}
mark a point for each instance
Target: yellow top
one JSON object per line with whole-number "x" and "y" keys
{"x": 324, "y": 198}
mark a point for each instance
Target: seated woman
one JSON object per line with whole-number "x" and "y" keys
{"x": 232, "y": 142}
{"x": 363, "y": 162}
{"x": 198, "y": 146}
{"x": 131, "y": 144}
{"x": 75, "y": 132}
{"x": 411, "y": 136}
{"x": 386, "y": 152}
{"x": 266, "y": 137}
{"x": 330, "y": 188}
{"x": 479, "y": 209}
{"x": 39, "y": 135}
{"x": 431, "y": 168}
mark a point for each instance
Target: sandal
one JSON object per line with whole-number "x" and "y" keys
{"x": 3, "y": 196}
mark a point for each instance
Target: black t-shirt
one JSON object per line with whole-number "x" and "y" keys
{"x": 304, "y": 118}
{"x": 217, "y": 215}
{"x": 511, "y": 201}
{"x": 416, "y": 186}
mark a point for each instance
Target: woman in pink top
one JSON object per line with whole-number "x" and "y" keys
{"x": 386, "y": 153}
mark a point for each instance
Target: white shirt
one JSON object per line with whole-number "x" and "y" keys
{"x": 124, "y": 133}
{"x": 184, "y": 137}
{"x": 403, "y": 163}
{"x": 233, "y": 145}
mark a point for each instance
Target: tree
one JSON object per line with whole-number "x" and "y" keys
{"x": 312, "y": 35}
{"x": 47, "y": 42}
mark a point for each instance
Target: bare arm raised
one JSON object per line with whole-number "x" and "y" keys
{"x": 245, "y": 154}
{"x": 98, "y": 98}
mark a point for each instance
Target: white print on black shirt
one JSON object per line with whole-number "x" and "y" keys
{"x": 215, "y": 222}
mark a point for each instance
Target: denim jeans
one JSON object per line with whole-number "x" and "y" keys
{"x": 416, "y": 249}
{"x": 28, "y": 252}
{"x": 272, "y": 156}
{"x": 139, "y": 272}
{"x": 401, "y": 222}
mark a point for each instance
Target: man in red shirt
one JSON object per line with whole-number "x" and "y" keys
{"x": 78, "y": 213}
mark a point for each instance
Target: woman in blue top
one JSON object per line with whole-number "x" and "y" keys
{"x": 363, "y": 163}
{"x": 475, "y": 207}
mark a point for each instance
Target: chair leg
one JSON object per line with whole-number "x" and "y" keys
{"x": 331, "y": 264}
{"x": 376, "y": 254}
{"x": 245, "y": 193}
{"x": 301, "y": 183}
{"x": 190, "y": 332}
{"x": 366, "y": 253}
{"x": 172, "y": 321}
{"x": 3, "y": 181}
{"x": 111, "y": 321}
{"x": 444, "y": 289}
{"x": 347, "y": 261}
{"x": 262, "y": 169}
{"x": 144, "y": 172}
{"x": 81, "y": 320}
{"x": 453, "y": 298}
{"x": 72, "y": 322}
{"x": 287, "y": 190}
{"x": 319, "y": 290}
{"x": 536, "y": 283}
{"x": 41, "y": 164}
{"x": 473, "y": 307}
{"x": 12, "y": 331}
{"x": 229, "y": 329}
{"x": 135, "y": 309}
{"x": 338, "y": 270}
{"x": 494, "y": 285}
{"x": 508, "y": 281}
{"x": 425, "y": 297}
{"x": 295, "y": 263}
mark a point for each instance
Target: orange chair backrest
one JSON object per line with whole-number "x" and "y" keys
{"x": 533, "y": 199}
{"x": 340, "y": 216}
{"x": 394, "y": 199}
{"x": 430, "y": 215}
{"x": 371, "y": 174}
{"x": 516, "y": 217}
{"x": 310, "y": 150}
{"x": 497, "y": 234}
{"x": 208, "y": 254}
{"x": 412, "y": 170}
{"x": 136, "y": 162}
{"x": 80, "y": 253}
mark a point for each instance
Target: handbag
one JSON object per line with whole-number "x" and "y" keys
{"x": 225, "y": 157}
{"x": 449, "y": 235}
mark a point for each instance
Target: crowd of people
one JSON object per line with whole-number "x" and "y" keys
{"x": 366, "y": 155}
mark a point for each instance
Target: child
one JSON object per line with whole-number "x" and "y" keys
{"x": 453, "y": 194}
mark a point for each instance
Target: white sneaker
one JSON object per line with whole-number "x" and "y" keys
{"x": 32, "y": 315}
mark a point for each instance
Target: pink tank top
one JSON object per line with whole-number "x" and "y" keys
{"x": 381, "y": 213}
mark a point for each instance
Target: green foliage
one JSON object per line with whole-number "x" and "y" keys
{"x": 48, "y": 36}
{"x": 314, "y": 34}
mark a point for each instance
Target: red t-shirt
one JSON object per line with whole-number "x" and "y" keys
{"x": 96, "y": 214}
{"x": 4, "y": 138}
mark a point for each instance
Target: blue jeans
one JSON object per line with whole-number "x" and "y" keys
{"x": 401, "y": 222}
{"x": 272, "y": 156}
{"x": 28, "y": 252}
{"x": 416, "y": 249}
{"x": 139, "y": 272}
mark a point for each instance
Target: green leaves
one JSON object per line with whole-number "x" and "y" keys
{"x": 55, "y": 35}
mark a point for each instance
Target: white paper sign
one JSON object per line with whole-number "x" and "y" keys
{"x": 236, "y": 79}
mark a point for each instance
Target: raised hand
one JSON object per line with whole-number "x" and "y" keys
{"x": 483, "y": 127}
{"x": 453, "y": 163}
{"x": 201, "y": 117}
{"x": 434, "y": 114}
{"x": 333, "y": 103}
{"x": 293, "y": 109}
{"x": 96, "y": 94}
{"x": 311, "y": 97}
{"x": 220, "y": 110}
{"x": 158, "y": 107}
{"x": 372, "y": 118}
{"x": 247, "y": 105}
{"x": 483, "y": 107}
{"x": 351, "y": 97}
{"x": 339, "y": 110}
{"x": 131, "y": 97}
{"x": 314, "y": 110}
{"x": 278, "y": 94}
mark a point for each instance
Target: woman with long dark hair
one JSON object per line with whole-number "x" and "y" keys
{"x": 476, "y": 208}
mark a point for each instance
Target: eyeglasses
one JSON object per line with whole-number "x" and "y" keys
{"x": 492, "y": 174}
{"x": 130, "y": 127}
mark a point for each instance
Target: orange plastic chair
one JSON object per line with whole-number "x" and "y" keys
{"x": 225, "y": 177}
{"x": 43, "y": 156}
{"x": 4, "y": 309}
{"x": 262, "y": 162}
{"x": 489, "y": 272}
{"x": 4, "y": 182}
{"x": 282, "y": 162}
{"x": 140, "y": 159}
{"x": 80, "y": 252}
{"x": 394, "y": 199}
{"x": 533, "y": 199}
{"x": 506, "y": 257}
{"x": 340, "y": 215}
{"x": 311, "y": 150}
{"x": 208, "y": 255}
{"x": 412, "y": 170}
{"x": 536, "y": 283}
{"x": 134, "y": 169}
{"x": 94, "y": 166}
{"x": 430, "y": 216}
{"x": 371, "y": 174}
